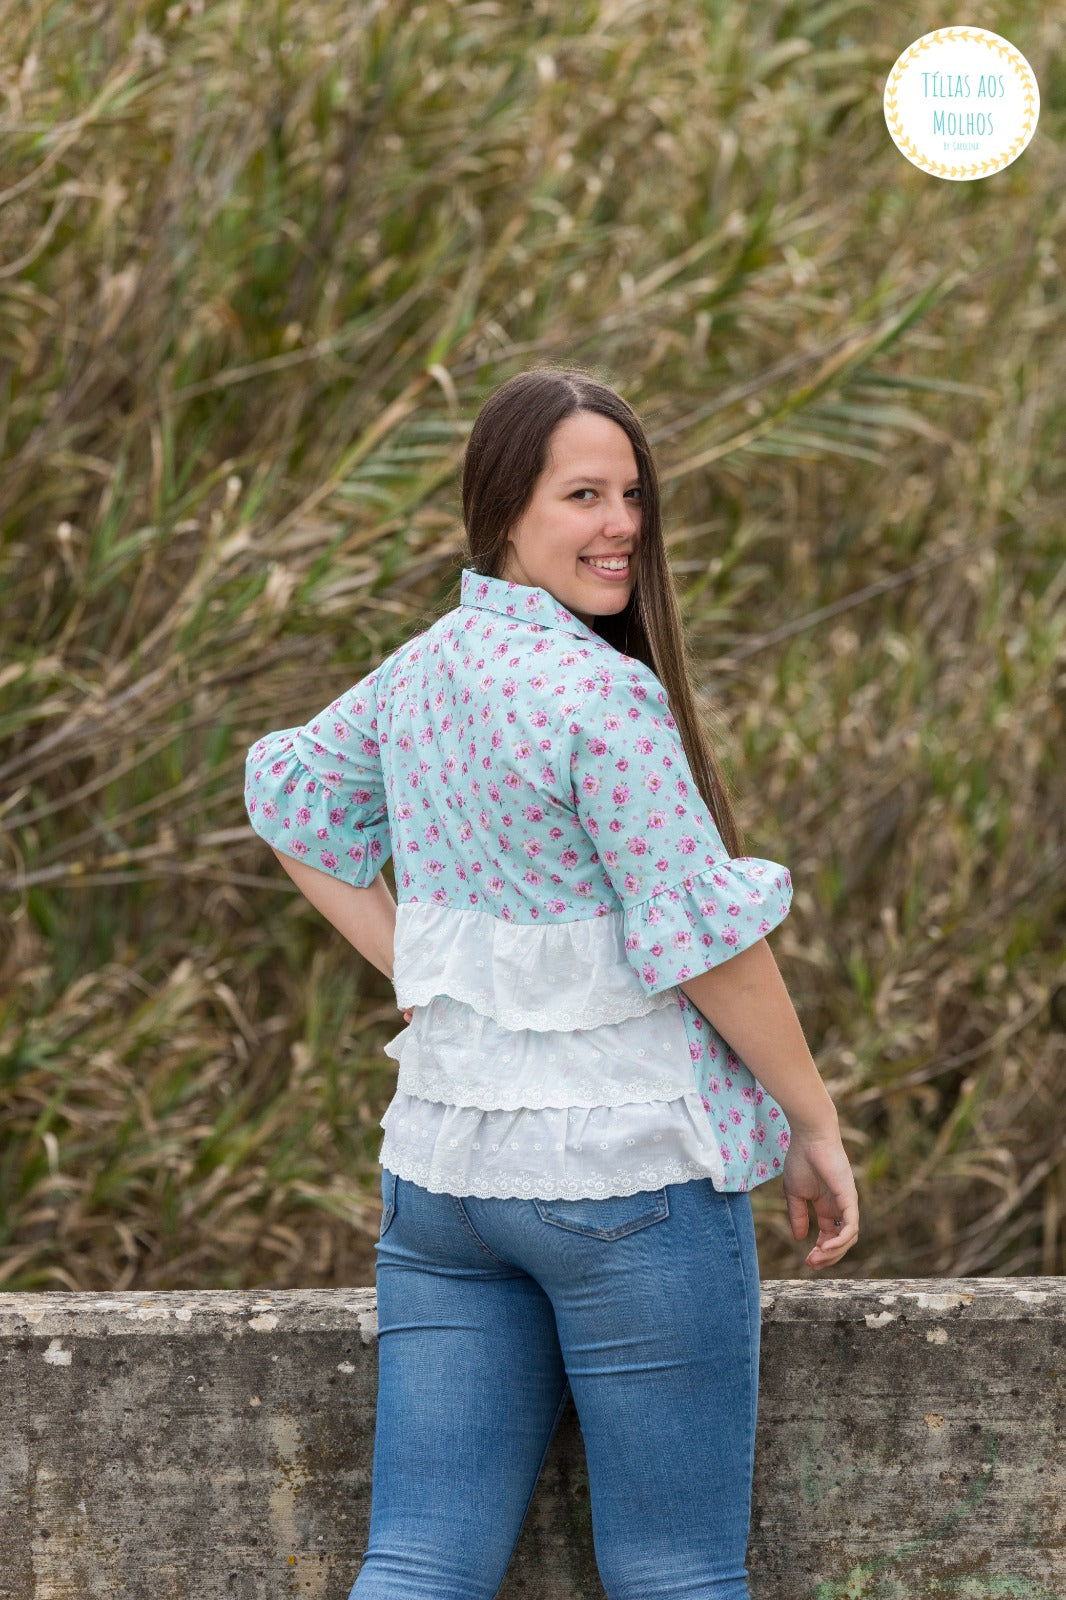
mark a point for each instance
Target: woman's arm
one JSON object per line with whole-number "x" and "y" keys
{"x": 745, "y": 999}
{"x": 365, "y": 917}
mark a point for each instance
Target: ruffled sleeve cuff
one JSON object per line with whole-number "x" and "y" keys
{"x": 709, "y": 916}
{"x": 298, "y": 813}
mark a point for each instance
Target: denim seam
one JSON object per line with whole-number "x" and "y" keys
{"x": 388, "y": 1210}
{"x": 469, "y": 1226}
{"x": 753, "y": 1377}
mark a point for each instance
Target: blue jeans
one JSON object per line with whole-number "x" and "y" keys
{"x": 645, "y": 1307}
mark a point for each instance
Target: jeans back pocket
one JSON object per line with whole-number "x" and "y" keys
{"x": 609, "y": 1218}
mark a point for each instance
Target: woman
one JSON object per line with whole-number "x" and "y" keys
{"x": 601, "y": 1059}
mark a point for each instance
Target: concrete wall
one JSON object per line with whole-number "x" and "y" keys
{"x": 194, "y": 1446}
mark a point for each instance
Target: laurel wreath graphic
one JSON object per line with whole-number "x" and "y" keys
{"x": 975, "y": 169}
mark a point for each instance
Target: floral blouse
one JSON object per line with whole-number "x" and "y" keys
{"x": 558, "y": 876}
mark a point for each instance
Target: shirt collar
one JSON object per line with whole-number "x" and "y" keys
{"x": 522, "y": 602}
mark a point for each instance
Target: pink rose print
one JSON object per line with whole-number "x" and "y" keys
{"x": 455, "y": 738}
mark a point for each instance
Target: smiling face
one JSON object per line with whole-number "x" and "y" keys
{"x": 585, "y": 503}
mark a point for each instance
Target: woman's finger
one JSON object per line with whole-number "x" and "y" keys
{"x": 798, "y": 1216}
{"x": 832, "y": 1246}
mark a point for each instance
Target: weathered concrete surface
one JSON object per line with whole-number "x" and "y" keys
{"x": 194, "y": 1446}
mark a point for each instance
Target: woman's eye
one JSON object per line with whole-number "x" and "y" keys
{"x": 632, "y": 494}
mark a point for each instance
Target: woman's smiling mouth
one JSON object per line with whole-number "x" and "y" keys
{"x": 609, "y": 566}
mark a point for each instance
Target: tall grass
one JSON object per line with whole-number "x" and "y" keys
{"x": 260, "y": 265}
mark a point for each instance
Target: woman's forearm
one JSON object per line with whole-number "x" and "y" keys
{"x": 746, "y": 1000}
{"x": 365, "y": 917}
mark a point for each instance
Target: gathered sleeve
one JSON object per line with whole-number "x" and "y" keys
{"x": 687, "y": 905}
{"x": 318, "y": 792}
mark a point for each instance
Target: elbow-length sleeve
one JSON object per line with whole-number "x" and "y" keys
{"x": 318, "y": 792}
{"x": 687, "y": 905}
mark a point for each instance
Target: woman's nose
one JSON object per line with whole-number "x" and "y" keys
{"x": 620, "y": 517}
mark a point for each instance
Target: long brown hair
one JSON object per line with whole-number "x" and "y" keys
{"x": 505, "y": 455}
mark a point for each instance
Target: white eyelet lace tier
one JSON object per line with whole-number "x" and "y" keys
{"x": 565, "y": 1153}
{"x": 535, "y": 1065}
{"x": 453, "y": 1054}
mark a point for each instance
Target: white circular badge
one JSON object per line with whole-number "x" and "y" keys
{"x": 961, "y": 103}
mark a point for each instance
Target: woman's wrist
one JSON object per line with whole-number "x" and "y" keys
{"x": 815, "y": 1120}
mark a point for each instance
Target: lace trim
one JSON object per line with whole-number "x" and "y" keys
{"x": 451, "y": 1053}
{"x": 566, "y": 1153}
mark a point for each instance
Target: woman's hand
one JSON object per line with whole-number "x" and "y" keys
{"x": 818, "y": 1172}
{"x": 407, "y": 1015}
